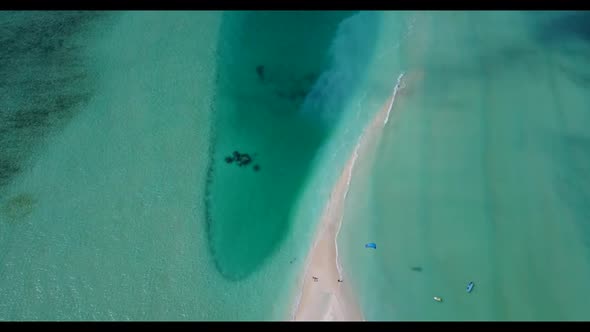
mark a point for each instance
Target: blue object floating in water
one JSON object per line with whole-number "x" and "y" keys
{"x": 371, "y": 245}
{"x": 470, "y": 287}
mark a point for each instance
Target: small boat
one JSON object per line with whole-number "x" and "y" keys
{"x": 371, "y": 245}
{"x": 470, "y": 286}
{"x": 437, "y": 299}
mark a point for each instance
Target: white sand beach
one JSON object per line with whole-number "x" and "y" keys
{"x": 323, "y": 297}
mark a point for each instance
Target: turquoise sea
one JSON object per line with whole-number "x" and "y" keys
{"x": 174, "y": 165}
{"x": 480, "y": 175}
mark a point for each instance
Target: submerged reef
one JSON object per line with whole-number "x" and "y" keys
{"x": 242, "y": 159}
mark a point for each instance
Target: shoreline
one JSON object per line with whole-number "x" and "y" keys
{"x": 326, "y": 298}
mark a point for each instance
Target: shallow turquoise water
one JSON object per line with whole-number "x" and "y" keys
{"x": 115, "y": 201}
{"x": 104, "y": 222}
{"x": 479, "y": 177}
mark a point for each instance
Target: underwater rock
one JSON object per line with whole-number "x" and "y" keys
{"x": 260, "y": 72}
{"x": 18, "y": 207}
{"x": 242, "y": 159}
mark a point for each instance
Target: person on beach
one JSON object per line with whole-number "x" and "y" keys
{"x": 315, "y": 279}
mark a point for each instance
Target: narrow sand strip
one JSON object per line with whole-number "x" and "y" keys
{"x": 325, "y": 298}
